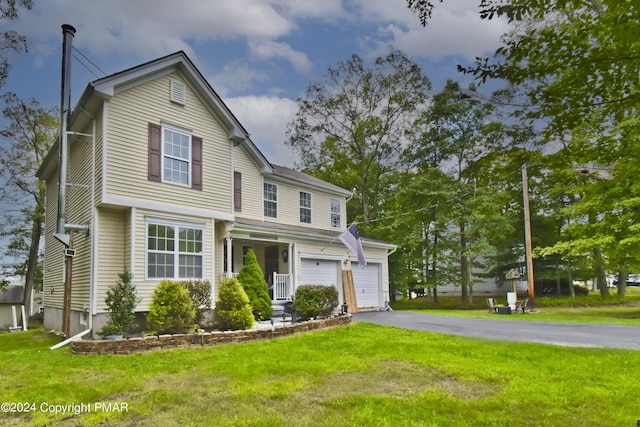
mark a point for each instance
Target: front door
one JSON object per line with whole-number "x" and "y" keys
{"x": 270, "y": 264}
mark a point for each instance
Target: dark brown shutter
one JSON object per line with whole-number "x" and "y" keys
{"x": 196, "y": 163}
{"x": 155, "y": 153}
{"x": 237, "y": 191}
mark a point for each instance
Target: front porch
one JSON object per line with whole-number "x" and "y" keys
{"x": 280, "y": 287}
{"x": 273, "y": 258}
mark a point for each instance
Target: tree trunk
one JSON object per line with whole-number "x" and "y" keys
{"x": 32, "y": 262}
{"x": 464, "y": 276}
{"x": 570, "y": 279}
{"x": 601, "y": 276}
{"x": 623, "y": 274}
{"x": 433, "y": 269}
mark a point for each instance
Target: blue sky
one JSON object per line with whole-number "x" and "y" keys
{"x": 258, "y": 55}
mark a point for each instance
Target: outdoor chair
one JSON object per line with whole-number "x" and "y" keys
{"x": 521, "y": 306}
{"x": 491, "y": 302}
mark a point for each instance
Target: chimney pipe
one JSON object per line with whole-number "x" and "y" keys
{"x": 65, "y": 105}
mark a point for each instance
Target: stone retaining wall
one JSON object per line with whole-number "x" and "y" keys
{"x": 161, "y": 342}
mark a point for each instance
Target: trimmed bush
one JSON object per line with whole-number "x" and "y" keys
{"x": 233, "y": 310}
{"x": 121, "y": 303}
{"x": 315, "y": 301}
{"x": 200, "y": 294}
{"x": 171, "y": 309}
{"x": 580, "y": 290}
{"x": 252, "y": 280}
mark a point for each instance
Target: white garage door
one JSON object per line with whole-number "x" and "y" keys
{"x": 319, "y": 272}
{"x": 367, "y": 284}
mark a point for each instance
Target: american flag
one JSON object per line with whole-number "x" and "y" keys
{"x": 351, "y": 239}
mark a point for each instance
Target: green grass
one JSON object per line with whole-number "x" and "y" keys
{"x": 582, "y": 309}
{"x": 356, "y": 375}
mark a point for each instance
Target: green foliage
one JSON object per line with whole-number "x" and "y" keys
{"x": 350, "y": 129}
{"x": 313, "y": 301}
{"x": 171, "y": 309}
{"x": 121, "y": 303}
{"x": 233, "y": 310}
{"x": 200, "y": 294}
{"x": 580, "y": 290}
{"x": 252, "y": 280}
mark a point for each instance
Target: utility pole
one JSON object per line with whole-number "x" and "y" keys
{"x": 527, "y": 232}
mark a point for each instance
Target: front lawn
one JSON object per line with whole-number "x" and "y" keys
{"x": 356, "y": 375}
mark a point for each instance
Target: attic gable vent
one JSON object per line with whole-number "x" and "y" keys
{"x": 178, "y": 92}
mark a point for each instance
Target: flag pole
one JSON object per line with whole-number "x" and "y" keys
{"x": 337, "y": 237}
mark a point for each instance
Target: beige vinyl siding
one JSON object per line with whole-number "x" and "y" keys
{"x": 129, "y": 114}
{"x": 53, "y": 284}
{"x": 98, "y": 158}
{"x": 252, "y": 206}
{"x": 112, "y": 251}
{"x": 289, "y": 205}
{"x": 146, "y": 287}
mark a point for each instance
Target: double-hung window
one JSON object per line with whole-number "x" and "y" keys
{"x": 270, "y": 197}
{"x": 336, "y": 217}
{"x": 174, "y": 251}
{"x": 176, "y": 156}
{"x": 305, "y": 207}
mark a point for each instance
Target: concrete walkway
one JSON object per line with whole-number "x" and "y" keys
{"x": 564, "y": 334}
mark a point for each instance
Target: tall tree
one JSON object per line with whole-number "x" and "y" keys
{"x": 577, "y": 63}
{"x": 31, "y": 131}
{"x": 454, "y": 134}
{"x": 10, "y": 40}
{"x": 350, "y": 128}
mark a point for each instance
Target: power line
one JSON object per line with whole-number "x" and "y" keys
{"x": 89, "y": 61}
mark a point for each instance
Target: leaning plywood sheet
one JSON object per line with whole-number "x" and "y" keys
{"x": 349, "y": 291}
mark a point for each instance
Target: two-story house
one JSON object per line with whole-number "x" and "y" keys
{"x": 172, "y": 186}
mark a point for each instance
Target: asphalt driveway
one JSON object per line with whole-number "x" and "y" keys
{"x": 564, "y": 334}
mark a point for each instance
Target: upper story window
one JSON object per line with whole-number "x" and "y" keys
{"x": 174, "y": 252}
{"x": 176, "y": 156}
{"x": 270, "y": 197}
{"x": 305, "y": 207}
{"x": 336, "y": 213}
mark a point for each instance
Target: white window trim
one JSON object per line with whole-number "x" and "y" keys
{"x": 163, "y": 155}
{"x": 176, "y": 253}
{"x": 331, "y": 213}
{"x": 273, "y": 201}
{"x": 309, "y": 208}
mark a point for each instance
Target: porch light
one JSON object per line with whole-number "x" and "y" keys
{"x": 345, "y": 308}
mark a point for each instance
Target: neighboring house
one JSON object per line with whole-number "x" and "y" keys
{"x": 11, "y": 296}
{"x": 172, "y": 186}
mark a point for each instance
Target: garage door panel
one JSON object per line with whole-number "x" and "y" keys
{"x": 367, "y": 284}
{"x": 319, "y": 272}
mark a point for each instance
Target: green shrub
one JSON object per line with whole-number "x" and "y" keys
{"x": 121, "y": 302}
{"x": 200, "y": 294}
{"x": 252, "y": 280}
{"x": 171, "y": 309}
{"x": 315, "y": 301}
{"x": 580, "y": 290}
{"x": 233, "y": 310}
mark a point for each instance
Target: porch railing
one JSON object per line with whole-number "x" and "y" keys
{"x": 282, "y": 290}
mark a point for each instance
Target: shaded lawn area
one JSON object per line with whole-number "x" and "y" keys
{"x": 581, "y": 309}
{"x": 356, "y": 375}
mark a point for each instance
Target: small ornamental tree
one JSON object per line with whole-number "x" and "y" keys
{"x": 315, "y": 301}
{"x": 233, "y": 310}
{"x": 252, "y": 280}
{"x": 200, "y": 294}
{"x": 121, "y": 302}
{"x": 171, "y": 309}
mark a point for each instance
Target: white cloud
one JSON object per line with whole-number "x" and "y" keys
{"x": 266, "y": 119}
{"x": 268, "y": 49}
